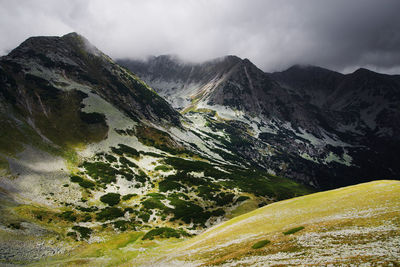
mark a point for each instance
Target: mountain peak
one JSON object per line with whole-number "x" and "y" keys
{"x": 363, "y": 71}
{"x": 230, "y": 59}
{"x": 167, "y": 59}
{"x": 47, "y": 44}
{"x": 307, "y": 67}
{"x": 72, "y": 35}
{"x": 233, "y": 58}
{"x": 301, "y": 66}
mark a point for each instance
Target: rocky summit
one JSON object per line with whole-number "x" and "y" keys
{"x": 127, "y": 162}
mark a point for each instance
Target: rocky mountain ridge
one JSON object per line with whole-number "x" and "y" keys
{"x": 346, "y": 123}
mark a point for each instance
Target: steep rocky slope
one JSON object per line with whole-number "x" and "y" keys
{"x": 325, "y": 128}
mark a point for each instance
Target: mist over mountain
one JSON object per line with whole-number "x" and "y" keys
{"x": 273, "y": 34}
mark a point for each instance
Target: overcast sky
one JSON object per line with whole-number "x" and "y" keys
{"x": 274, "y": 34}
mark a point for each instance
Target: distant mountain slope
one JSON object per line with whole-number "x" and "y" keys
{"x": 312, "y": 82}
{"x": 354, "y": 225}
{"x": 182, "y": 83}
{"x": 345, "y": 126}
{"x": 365, "y": 101}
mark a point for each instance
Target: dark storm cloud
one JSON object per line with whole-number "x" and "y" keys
{"x": 338, "y": 34}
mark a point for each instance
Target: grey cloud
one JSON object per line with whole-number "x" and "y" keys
{"x": 274, "y": 34}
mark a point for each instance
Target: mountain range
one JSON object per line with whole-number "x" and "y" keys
{"x": 91, "y": 148}
{"x": 347, "y": 123}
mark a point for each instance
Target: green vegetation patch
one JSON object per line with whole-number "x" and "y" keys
{"x": 111, "y": 199}
{"x": 168, "y": 185}
{"x": 126, "y": 162}
{"x": 68, "y": 216}
{"x": 154, "y": 202}
{"x": 73, "y": 235}
{"x": 186, "y": 166}
{"x": 101, "y": 171}
{"x": 164, "y": 232}
{"x": 123, "y": 225}
{"x": 128, "y": 197}
{"x": 164, "y": 168}
{"x": 141, "y": 177}
{"x": 110, "y": 158}
{"x": 124, "y": 150}
{"x": 184, "y": 209}
{"x": 260, "y": 244}
{"x": 109, "y": 213}
{"x": 145, "y": 216}
{"x": 241, "y": 199}
{"x": 224, "y": 199}
{"x": 260, "y": 183}
{"x": 188, "y": 211}
{"x": 87, "y": 209}
{"x": 85, "y": 183}
{"x": 83, "y": 231}
{"x": 293, "y": 230}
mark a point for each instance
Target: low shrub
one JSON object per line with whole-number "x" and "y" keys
{"x": 144, "y": 216}
{"x": 242, "y": 198}
{"x": 153, "y": 203}
{"x": 128, "y": 196}
{"x": 73, "y": 235}
{"x": 127, "y": 162}
{"x": 83, "y": 231}
{"x": 125, "y": 150}
{"x": 261, "y": 244}
{"x": 101, "y": 171}
{"x": 110, "y": 158}
{"x": 164, "y": 168}
{"x": 164, "y": 232}
{"x": 109, "y": 213}
{"x": 293, "y": 230}
{"x": 76, "y": 179}
{"x": 82, "y": 182}
{"x": 168, "y": 185}
{"x": 121, "y": 225}
{"x": 68, "y": 216}
{"x": 87, "y": 184}
{"x": 111, "y": 199}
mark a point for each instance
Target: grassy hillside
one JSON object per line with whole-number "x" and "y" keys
{"x": 352, "y": 225}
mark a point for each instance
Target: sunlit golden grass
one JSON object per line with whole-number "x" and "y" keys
{"x": 366, "y": 205}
